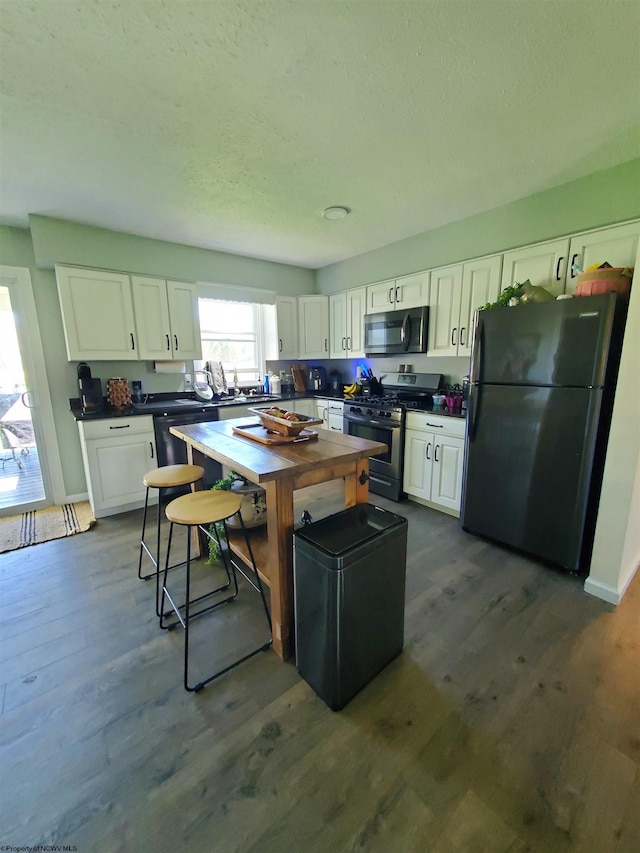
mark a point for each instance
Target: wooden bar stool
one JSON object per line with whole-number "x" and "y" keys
{"x": 203, "y": 510}
{"x": 165, "y": 477}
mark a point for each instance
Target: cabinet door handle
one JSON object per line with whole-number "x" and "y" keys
{"x": 558, "y": 268}
{"x": 151, "y": 448}
{"x": 426, "y": 453}
{"x": 280, "y": 340}
{"x": 168, "y": 343}
{"x": 349, "y": 342}
{"x": 573, "y": 262}
{"x": 436, "y": 426}
{"x": 325, "y": 344}
{"x": 396, "y": 297}
{"x": 175, "y": 338}
{"x": 435, "y": 453}
{"x": 462, "y": 336}
{"x": 453, "y": 336}
{"x": 344, "y": 343}
{"x": 122, "y": 426}
{"x": 133, "y": 342}
{"x": 390, "y": 300}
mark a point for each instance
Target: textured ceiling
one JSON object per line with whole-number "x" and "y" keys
{"x": 232, "y": 125}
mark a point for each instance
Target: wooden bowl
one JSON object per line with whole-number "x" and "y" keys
{"x": 595, "y": 282}
{"x": 283, "y": 426}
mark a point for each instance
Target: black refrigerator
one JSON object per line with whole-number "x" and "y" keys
{"x": 541, "y": 393}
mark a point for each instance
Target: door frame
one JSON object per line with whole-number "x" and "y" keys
{"x": 18, "y": 280}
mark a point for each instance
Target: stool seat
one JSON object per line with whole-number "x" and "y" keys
{"x": 203, "y": 507}
{"x": 172, "y": 475}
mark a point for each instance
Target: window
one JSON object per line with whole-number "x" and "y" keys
{"x": 231, "y": 333}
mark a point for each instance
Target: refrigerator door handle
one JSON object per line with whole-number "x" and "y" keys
{"x": 476, "y": 375}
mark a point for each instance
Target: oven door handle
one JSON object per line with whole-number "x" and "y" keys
{"x": 355, "y": 419}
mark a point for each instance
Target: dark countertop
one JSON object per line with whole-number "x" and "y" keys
{"x": 175, "y": 404}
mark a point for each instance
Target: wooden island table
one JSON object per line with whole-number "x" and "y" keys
{"x": 280, "y": 470}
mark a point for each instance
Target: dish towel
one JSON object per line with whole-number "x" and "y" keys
{"x": 218, "y": 380}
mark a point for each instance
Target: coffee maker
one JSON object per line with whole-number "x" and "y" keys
{"x": 317, "y": 379}
{"x": 91, "y": 397}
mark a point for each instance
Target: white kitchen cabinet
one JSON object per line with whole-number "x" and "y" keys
{"x": 617, "y": 246}
{"x": 346, "y": 322}
{"x": 117, "y": 453}
{"x": 322, "y": 412}
{"x": 543, "y": 264}
{"x": 455, "y": 293}
{"x": 410, "y": 291}
{"x": 97, "y": 314}
{"x": 226, "y": 413}
{"x": 304, "y": 406}
{"x": 287, "y": 320}
{"x": 313, "y": 326}
{"x": 433, "y": 460}
{"x": 444, "y": 310}
{"x": 551, "y": 264}
{"x": 166, "y": 319}
{"x": 331, "y": 411}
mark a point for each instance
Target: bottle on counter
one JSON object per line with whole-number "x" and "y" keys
{"x": 267, "y": 384}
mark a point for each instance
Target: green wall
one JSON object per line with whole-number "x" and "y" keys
{"x": 602, "y": 198}
{"x": 56, "y": 241}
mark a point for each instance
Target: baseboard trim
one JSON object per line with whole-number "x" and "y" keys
{"x": 606, "y": 592}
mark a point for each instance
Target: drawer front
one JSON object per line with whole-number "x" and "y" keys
{"x": 436, "y": 423}
{"x": 110, "y": 427}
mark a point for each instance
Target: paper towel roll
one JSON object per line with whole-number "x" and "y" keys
{"x": 169, "y": 367}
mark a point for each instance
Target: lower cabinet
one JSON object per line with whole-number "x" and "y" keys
{"x": 331, "y": 411}
{"x": 117, "y": 453}
{"x": 434, "y": 452}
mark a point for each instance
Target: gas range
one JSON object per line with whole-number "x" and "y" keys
{"x": 408, "y": 391}
{"x": 382, "y": 418}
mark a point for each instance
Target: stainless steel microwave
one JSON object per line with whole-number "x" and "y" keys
{"x": 396, "y": 332}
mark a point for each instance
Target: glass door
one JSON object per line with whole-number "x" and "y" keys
{"x": 24, "y": 480}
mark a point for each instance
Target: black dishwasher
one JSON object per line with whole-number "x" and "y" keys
{"x": 349, "y": 589}
{"x": 172, "y": 450}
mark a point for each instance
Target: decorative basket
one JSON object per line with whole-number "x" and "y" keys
{"x": 283, "y": 426}
{"x": 595, "y": 282}
{"x": 118, "y": 393}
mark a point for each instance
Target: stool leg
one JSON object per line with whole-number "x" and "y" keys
{"x": 143, "y": 547}
{"x": 186, "y": 616}
{"x": 162, "y": 614}
{"x": 158, "y": 553}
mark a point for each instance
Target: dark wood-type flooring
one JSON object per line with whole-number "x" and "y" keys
{"x": 511, "y": 721}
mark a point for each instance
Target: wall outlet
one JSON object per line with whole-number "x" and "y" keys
{"x": 187, "y": 379}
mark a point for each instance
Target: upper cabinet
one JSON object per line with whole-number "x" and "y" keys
{"x": 111, "y": 316}
{"x": 166, "y": 318}
{"x": 346, "y": 322}
{"x": 456, "y": 292}
{"x": 313, "y": 326}
{"x": 411, "y": 291}
{"x": 444, "y": 310}
{"x": 553, "y": 265}
{"x": 287, "y": 319}
{"x": 544, "y": 264}
{"x": 617, "y": 246}
{"x": 97, "y": 314}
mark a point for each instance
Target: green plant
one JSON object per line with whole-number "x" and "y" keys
{"x": 222, "y": 485}
{"x": 514, "y": 291}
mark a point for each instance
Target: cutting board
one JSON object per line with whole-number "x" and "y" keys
{"x": 256, "y": 432}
